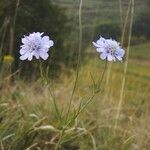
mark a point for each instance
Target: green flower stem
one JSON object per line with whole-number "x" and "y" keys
{"x": 45, "y": 80}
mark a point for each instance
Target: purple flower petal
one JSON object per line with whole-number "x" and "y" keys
{"x": 35, "y": 45}
{"x": 109, "y": 57}
{"x": 25, "y": 56}
{"x": 95, "y": 44}
{"x": 44, "y": 55}
{"x": 103, "y": 56}
{"x": 109, "y": 49}
{"x": 23, "y": 51}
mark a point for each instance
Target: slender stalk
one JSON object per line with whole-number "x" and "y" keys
{"x": 101, "y": 79}
{"x": 125, "y": 23}
{"x": 94, "y": 94}
{"x": 77, "y": 74}
{"x": 120, "y": 9}
{"x": 5, "y": 25}
{"x": 59, "y": 142}
{"x": 1, "y": 144}
{"x": 82, "y": 108}
{"x": 79, "y": 57}
{"x": 90, "y": 99}
{"x": 12, "y": 28}
{"x": 107, "y": 82}
{"x": 55, "y": 104}
{"x": 77, "y": 71}
{"x": 126, "y": 65}
{"x": 16, "y": 10}
{"x": 44, "y": 78}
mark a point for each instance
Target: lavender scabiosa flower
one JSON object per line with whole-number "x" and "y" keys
{"x": 35, "y": 45}
{"x": 109, "y": 49}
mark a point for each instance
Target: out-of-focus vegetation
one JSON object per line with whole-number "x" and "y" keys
{"x": 99, "y": 15}
{"x": 28, "y": 117}
{"x": 59, "y": 20}
{"x": 19, "y": 18}
{"x": 141, "y": 25}
{"x": 29, "y": 120}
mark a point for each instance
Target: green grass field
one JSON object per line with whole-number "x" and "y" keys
{"x": 100, "y": 11}
{"x": 29, "y": 121}
{"x": 35, "y": 114}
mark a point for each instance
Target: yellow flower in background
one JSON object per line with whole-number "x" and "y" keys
{"x": 8, "y": 59}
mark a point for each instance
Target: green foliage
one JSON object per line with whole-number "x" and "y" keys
{"x": 35, "y": 16}
{"x": 109, "y": 30}
{"x": 8, "y": 8}
{"x": 28, "y": 118}
{"x": 142, "y": 24}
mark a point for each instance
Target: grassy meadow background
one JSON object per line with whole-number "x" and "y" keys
{"x": 34, "y": 112}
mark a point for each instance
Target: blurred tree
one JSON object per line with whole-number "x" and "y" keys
{"x": 141, "y": 25}
{"x": 32, "y": 16}
{"x": 108, "y": 30}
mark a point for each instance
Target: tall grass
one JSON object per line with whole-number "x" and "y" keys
{"x": 127, "y": 58}
{"x": 80, "y": 111}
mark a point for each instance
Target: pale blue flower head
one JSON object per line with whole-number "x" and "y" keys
{"x": 35, "y": 45}
{"x": 109, "y": 49}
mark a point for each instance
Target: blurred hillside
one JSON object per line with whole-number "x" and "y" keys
{"x": 60, "y": 20}
{"x": 104, "y": 16}
{"x": 19, "y": 18}
{"x": 72, "y": 112}
{"x": 101, "y": 11}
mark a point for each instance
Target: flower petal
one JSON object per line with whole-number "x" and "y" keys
{"x": 24, "y": 57}
{"x": 102, "y": 49}
{"x": 103, "y": 56}
{"x": 95, "y": 44}
{"x": 119, "y": 58}
{"x": 23, "y": 51}
{"x": 30, "y": 57}
{"x": 35, "y": 45}
{"x": 100, "y": 41}
{"x": 44, "y": 55}
{"x": 109, "y": 49}
{"x": 36, "y": 54}
{"x": 24, "y": 40}
{"x": 109, "y": 57}
{"x": 46, "y": 42}
{"x": 120, "y": 52}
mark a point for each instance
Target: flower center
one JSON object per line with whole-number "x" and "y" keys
{"x": 35, "y": 46}
{"x": 111, "y": 50}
